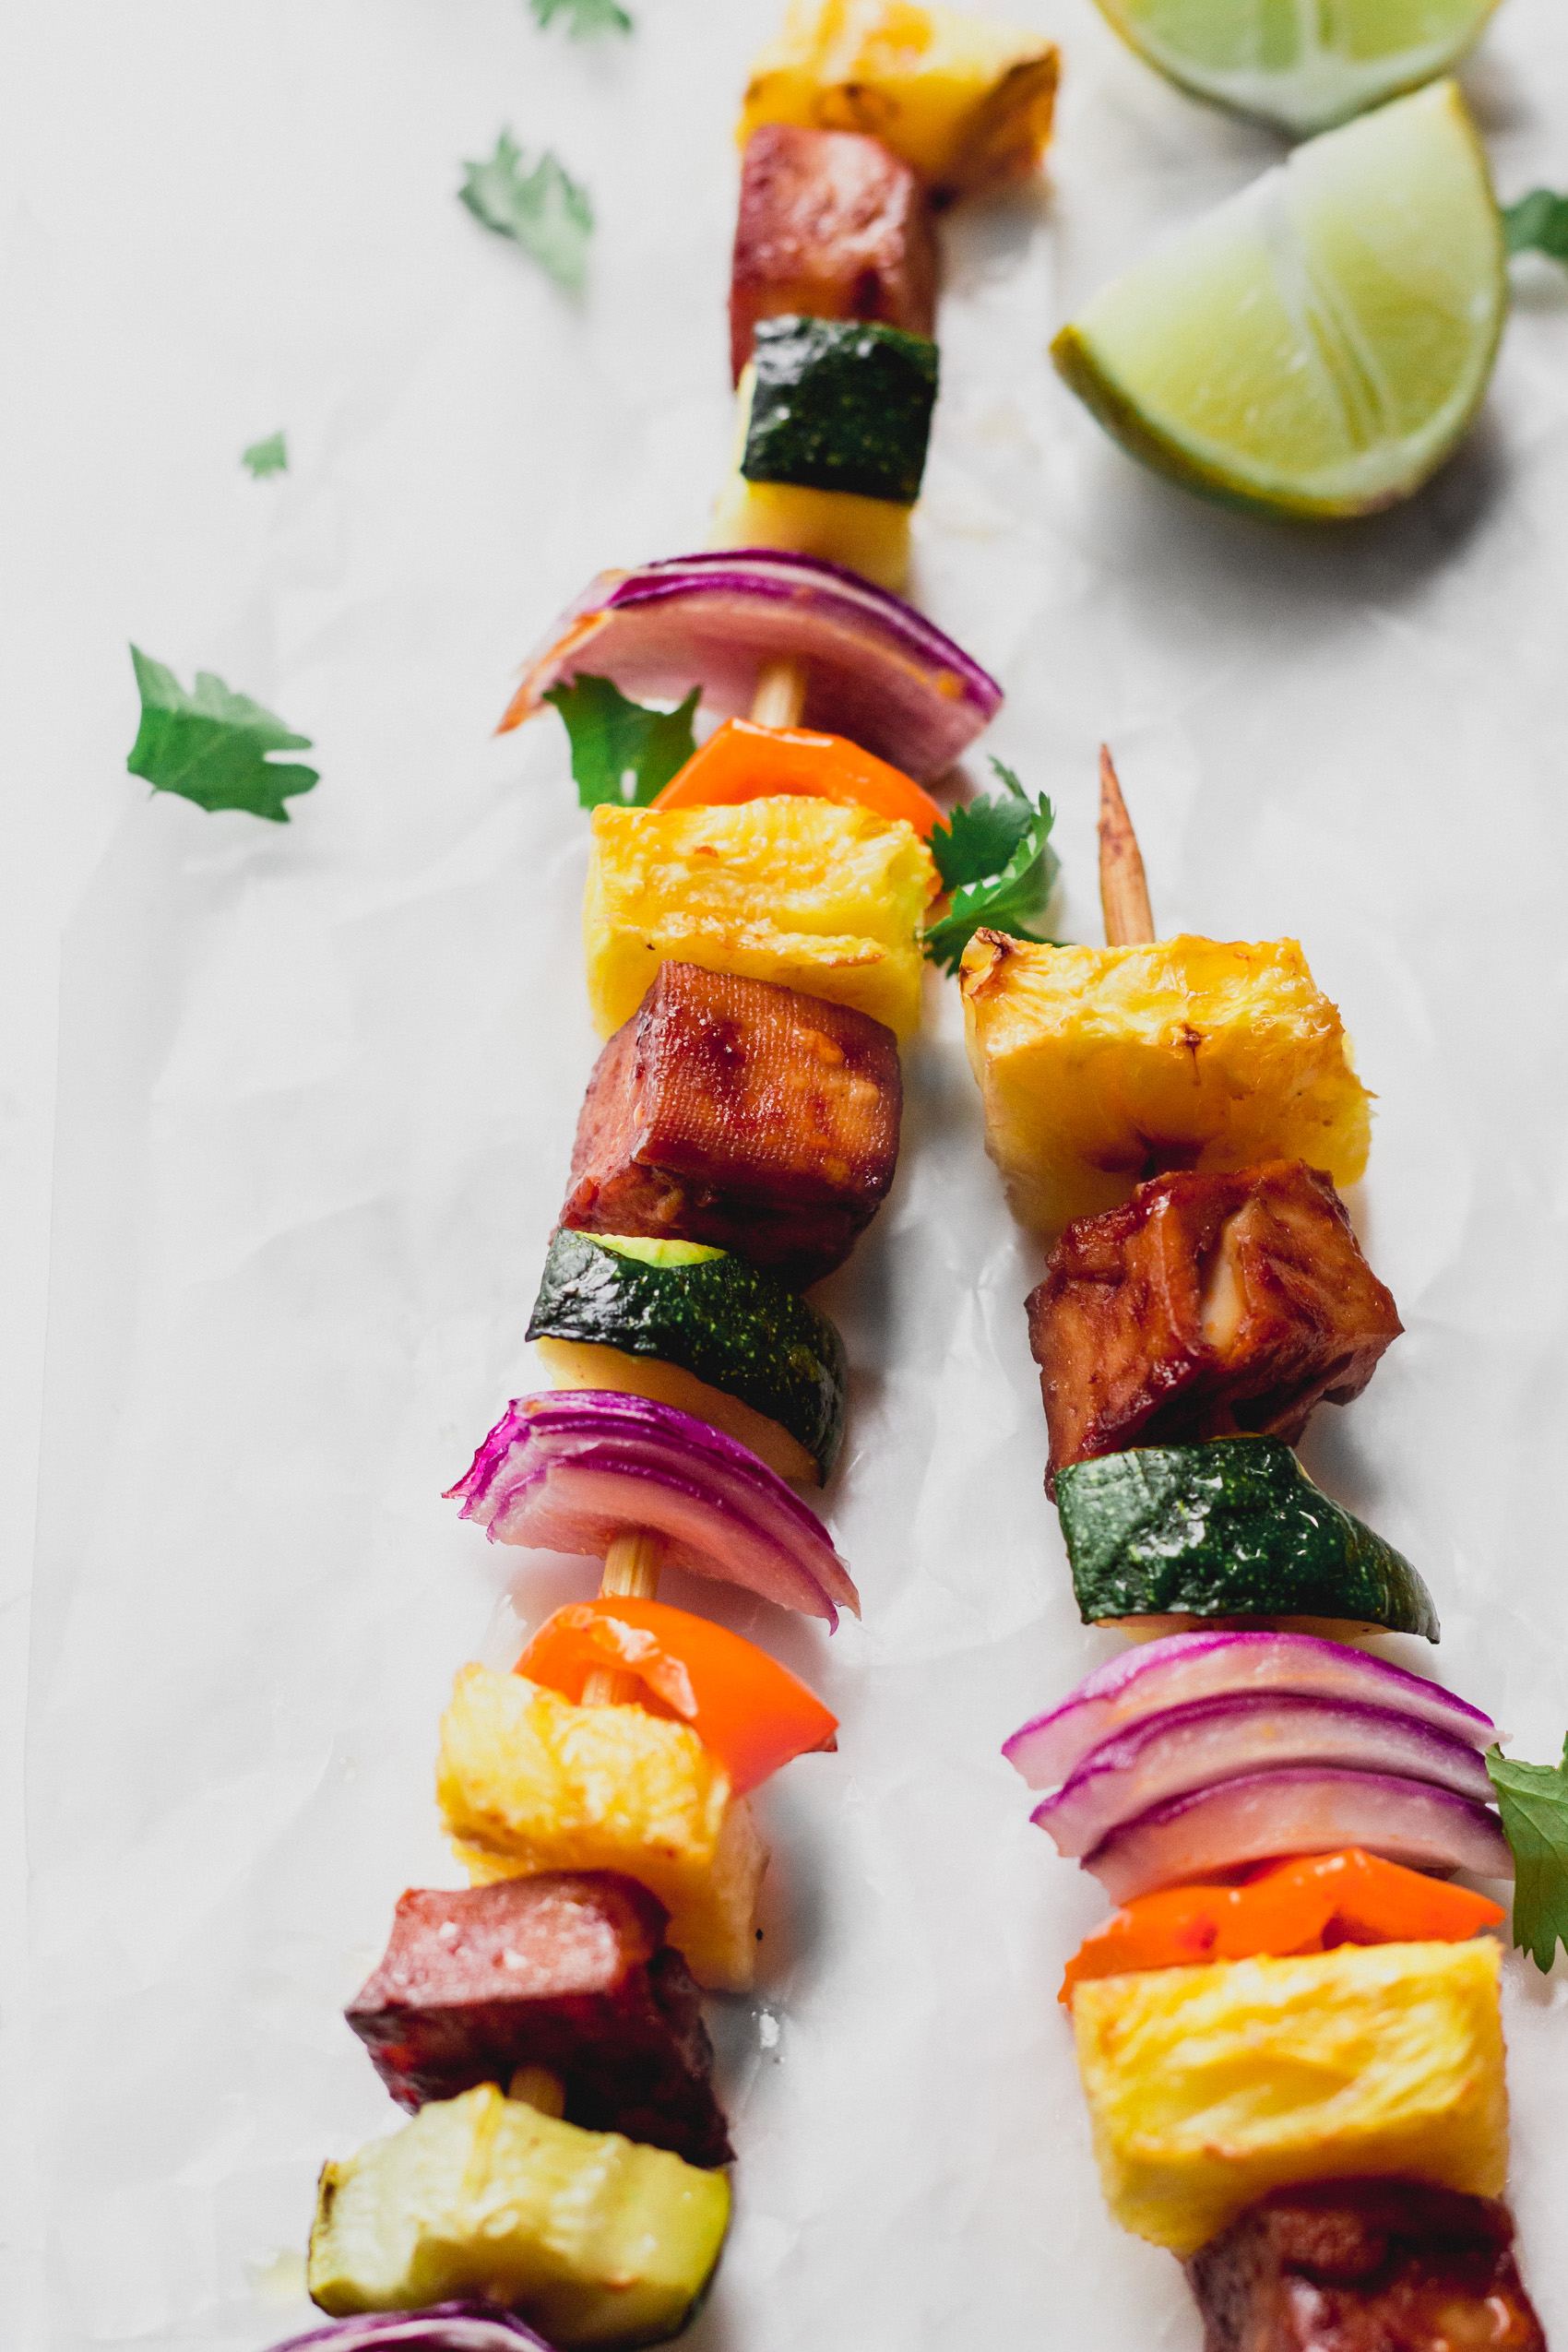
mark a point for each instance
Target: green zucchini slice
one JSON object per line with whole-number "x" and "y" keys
{"x": 730, "y": 1325}
{"x": 839, "y": 404}
{"x": 1233, "y": 1528}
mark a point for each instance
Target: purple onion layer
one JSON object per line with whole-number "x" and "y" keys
{"x": 877, "y": 671}
{"x": 571, "y": 1469}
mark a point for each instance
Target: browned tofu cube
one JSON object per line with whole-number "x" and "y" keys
{"x": 748, "y": 1116}
{"x": 831, "y": 225}
{"x": 568, "y": 1971}
{"x": 1364, "y": 2266}
{"x": 1205, "y": 1306}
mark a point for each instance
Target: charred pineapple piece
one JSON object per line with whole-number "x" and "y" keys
{"x": 965, "y": 103}
{"x": 810, "y": 895}
{"x": 569, "y": 1971}
{"x": 529, "y": 1782}
{"x": 831, "y": 225}
{"x": 1206, "y": 1306}
{"x": 742, "y": 1114}
{"x": 594, "y": 2240}
{"x": 1208, "y": 2086}
{"x": 1101, "y": 1067}
{"x": 1364, "y": 2263}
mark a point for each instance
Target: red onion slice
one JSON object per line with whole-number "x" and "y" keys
{"x": 444, "y": 2327}
{"x": 877, "y": 671}
{"x": 1212, "y": 1740}
{"x": 1196, "y": 1666}
{"x": 1304, "y": 1810}
{"x": 572, "y": 1469}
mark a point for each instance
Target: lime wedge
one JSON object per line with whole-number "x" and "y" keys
{"x": 1317, "y": 345}
{"x": 1302, "y": 63}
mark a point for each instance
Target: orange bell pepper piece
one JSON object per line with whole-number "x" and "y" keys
{"x": 744, "y": 762}
{"x": 752, "y": 1712}
{"x": 1307, "y": 1904}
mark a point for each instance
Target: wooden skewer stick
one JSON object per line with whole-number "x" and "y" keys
{"x": 633, "y": 1562}
{"x": 781, "y": 694}
{"x": 1123, "y": 892}
{"x": 631, "y": 1572}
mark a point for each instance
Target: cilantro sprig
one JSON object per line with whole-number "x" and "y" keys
{"x": 587, "y": 18}
{"x": 995, "y": 857}
{"x": 212, "y": 746}
{"x": 268, "y": 457}
{"x": 1537, "y": 223}
{"x": 622, "y": 751}
{"x": 541, "y": 209}
{"x": 1533, "y": 1802}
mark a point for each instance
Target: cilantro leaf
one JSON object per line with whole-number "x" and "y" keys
{"x": 544, "y": 209}
{"x": 978, "y": 839}
{"x": 1533, "y": 1801}
{"x": 268, "y": 457}
{"x": 211, "y": 745}
{"x": 588, "y": 18}
{"x": 999, "y": 866}
{"x": 1538, "y": 224}
{"x": 622, "y": 751}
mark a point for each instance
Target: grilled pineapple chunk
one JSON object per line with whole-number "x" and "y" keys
{"x": 1208, "y": 2086}
{"x": 529, "y": 1782}
{"x": 592, "y": 2237}
{"x": 966, "y": 103}
{"x": 870, "y": 535}
{"x": 1101, "y": 1066}
{"x": 810, "y": 894}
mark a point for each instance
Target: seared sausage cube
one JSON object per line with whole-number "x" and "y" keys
{"x": 1364, "y": 2266}
{"x": 738, "y": 1113}
{"x": 1206, "y": 1306}
{"x": 568, "y": 1971}
{"x": 831, "y": 225}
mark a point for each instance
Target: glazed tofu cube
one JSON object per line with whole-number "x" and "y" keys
{"x": 1206, "y": 1306}
{"x": 529, "y": 1782}
{"x": 741, "y": 1114}
{"x": 1207, "y": 2088}
{"x": 831, "y": 225}
{"x": 568, "y": 1971}
{"x": 1362, "y": 2264}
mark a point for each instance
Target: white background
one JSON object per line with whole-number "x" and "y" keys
{"x": 285, "y": 1112}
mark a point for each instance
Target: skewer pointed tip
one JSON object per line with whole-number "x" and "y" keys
{"x": 1123, "y": 890}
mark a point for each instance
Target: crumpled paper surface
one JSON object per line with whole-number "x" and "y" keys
{"x": 317, "y": 1085}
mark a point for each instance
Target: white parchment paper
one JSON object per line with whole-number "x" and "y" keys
{"x": 316, "y": 1089}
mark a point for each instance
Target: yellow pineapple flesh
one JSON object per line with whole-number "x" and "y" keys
{"x": 1101, "y": 1066}
{"x": 529, "y": 1782}
{"x": 1208, "y": 2086}
{"x": 809, "y": 893}
{"x": 591, "y": 2236}
{"x": 966, "y": 103}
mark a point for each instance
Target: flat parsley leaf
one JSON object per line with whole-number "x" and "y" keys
{"x": 544, "y": 210}
{"x": 1537, "y": 223}
{"x": 1532, "y": 1799}
{"x": 996, "y": 860}
{"x": 589, "y": 17}
{"x": 622, "y": 751}
{"x": 211, "y": 745}
{"x": 268, "y": 457}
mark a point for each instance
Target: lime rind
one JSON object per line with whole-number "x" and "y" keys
{"x": 1318, "y": 345}
{"x": 1305, "y": 65}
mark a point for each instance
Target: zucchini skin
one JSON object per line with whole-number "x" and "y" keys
{"x": 840, "y": 405}
{"x": 726, "y": 1322}
{"x": 1233, "y": 1527}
